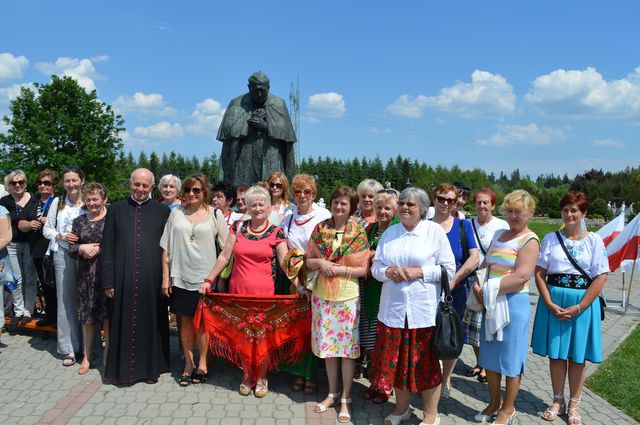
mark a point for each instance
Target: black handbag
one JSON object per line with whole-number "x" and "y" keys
{"x": 49, "y": 270}
{"x": 447, "y": 339}
{"x": 573, "y": 262}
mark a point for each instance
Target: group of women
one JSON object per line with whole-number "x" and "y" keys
{"x": 372, "y": 270}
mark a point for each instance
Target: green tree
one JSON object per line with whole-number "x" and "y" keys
{"x": 59, "y": 124}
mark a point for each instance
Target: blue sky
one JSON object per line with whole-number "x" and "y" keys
{"x": 543, "y": 86}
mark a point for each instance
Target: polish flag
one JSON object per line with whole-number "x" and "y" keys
{"x": 609, "y": 231}
{"x": 625, "y": 246}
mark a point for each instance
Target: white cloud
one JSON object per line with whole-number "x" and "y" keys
{"x": 100, "y": 58}
{"x": 7, "y": 94}
{"x": 81, "y": 70}
{"x": 4, "y": 128}
{"x": 376, "y": 130}
{"x": 161, "y": 130}
{"x": 151, "y": 104}
{"x": 12, "y": 66}
{"x": 207, "y": 117}
{"x": 529, "y": 134}
{"x": 326, "y": 105}
{"x": 486, "y": 95}
{"x": 607, "y": 143}
{"x": 586, "y": 94}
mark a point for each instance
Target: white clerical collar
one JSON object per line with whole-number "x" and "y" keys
{"x": 140, "y": 202}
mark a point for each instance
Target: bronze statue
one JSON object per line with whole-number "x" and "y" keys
{"x": 257, "y": 135}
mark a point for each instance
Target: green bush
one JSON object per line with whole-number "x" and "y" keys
{"x": 596, "y": 216}
{"x": 554, "y": 214}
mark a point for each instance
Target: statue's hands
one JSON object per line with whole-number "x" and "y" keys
{"x": 257, "y": 123}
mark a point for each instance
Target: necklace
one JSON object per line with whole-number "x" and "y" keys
{"x": 302, "y": 222}
{"x": 259, "y": 231}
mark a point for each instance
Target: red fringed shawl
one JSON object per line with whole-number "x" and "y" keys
{"x": 255, "y": 331}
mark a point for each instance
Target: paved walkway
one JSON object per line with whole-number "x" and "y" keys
{"x": 35, "y": 388}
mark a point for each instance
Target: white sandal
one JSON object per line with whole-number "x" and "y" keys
{"x": 396, "y": 419}
{"x": 344, "y": 418}
{"x": 552, "y": 411}
{"x": 574, "y": 419}
{"x": 321, "y": 408}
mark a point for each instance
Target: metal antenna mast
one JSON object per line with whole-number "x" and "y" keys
{"x": 294, "y": 106}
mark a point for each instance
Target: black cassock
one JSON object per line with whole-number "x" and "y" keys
{"x": 132, "y": 264}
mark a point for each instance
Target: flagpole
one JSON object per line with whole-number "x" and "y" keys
{"x": 633, "y": 269}
{"x": 624, "y": 293}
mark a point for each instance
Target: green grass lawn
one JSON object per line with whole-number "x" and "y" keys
{"x": 541, "y": 228}
{"x": 617, "y": 378}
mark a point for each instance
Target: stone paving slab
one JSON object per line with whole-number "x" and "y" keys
{"x": 36, "y": 389}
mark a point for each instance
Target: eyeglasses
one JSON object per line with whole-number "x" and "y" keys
{"x": 445, "y": 200}
{"x": 194, "y": 190}
{"x": 306, "y": 192}
{"x": 389, "y": 191}
{"x": 17, "y": 183}
{"x": 276, "y": 185}
{"x": 408, "y": 204}
{"x": 44, "y": 183}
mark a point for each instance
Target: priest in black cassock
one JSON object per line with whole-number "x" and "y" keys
{"x": 138, "y": 344}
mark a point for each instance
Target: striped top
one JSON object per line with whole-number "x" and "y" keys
{"x": 502, "y": 256}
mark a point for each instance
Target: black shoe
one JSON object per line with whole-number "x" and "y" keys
{"x": 16, "y": 320}
{"x": 151, "y": 381}
{"x": 482, "y": 379}
{"x": 25, "y": 320}
{"x": 44, "y": 322}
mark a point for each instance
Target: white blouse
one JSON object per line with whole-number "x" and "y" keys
{"x": 59, "y": 223}
{"x": 416, "y": 301}
{"x": 486, "y": 232}
{"x": 298, "y": 228}
{"x": 589, "y": 253}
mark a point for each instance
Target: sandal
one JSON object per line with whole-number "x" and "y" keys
{"x": 298, "y": 383}
{"x": 557, "y": 407}
{"x": 396, "y": 419}
{"x": 574, "y": 412}
{"x": 482, "y": 378}
{"x": 474, "y": 371}
{"x": 261, "y": 389}
{"x": 244, "y": 389}
{"x": 184, "y": 380}
{"x": 310, "y": 387}
{"x": 343, "y": 418}
{"x": 83, "y": 370}
{"x": 198, "y": 377}
{"x": 69, "y": 360}
{"x": 321, "y": 408}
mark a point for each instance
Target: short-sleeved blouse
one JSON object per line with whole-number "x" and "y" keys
{"x": 589, "y": 253}
{"x": 502, "y": 256}
{"x": 255, "y": 260}
{"x": 454, "y": 239}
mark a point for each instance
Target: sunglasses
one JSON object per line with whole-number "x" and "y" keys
{"x": 389, "y": 191}
{"x": 194, "y": 190}
{"x": 408, "y": 204}
{"x": 44, "y": 183}
{"x": 17, "y": 183}
{"x": 445, "y": 200}
{"x": 276, "y": 185}
{"x": 306, "y": 192}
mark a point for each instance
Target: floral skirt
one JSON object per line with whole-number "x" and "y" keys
{"x": 403, "y": 359}
{"x": 334, "y": 328}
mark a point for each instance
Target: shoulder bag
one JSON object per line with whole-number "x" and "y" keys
{"x": 447, "y": 339}
{"x": 573, "y": 262}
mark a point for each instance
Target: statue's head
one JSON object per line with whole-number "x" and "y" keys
{"x": 259, "y": 87}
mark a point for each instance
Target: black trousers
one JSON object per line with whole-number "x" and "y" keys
{"x": 48, "y": 292}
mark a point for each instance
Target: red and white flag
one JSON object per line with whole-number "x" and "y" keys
{"x": 625, "y": 246}
{"x": 612, "y": 229}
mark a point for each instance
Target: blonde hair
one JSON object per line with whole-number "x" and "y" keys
{"x": 518, "y": 199}
{"x": 257, "y": 192}
{"x": 384, "y": 197}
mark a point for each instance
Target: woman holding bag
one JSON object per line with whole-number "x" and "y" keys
{"x": 484, "y": 225}
{"x": 571, "y": 271}
{"x": 408, "y": 261}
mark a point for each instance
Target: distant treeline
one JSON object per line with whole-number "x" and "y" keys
{"x": 600, "y": 186}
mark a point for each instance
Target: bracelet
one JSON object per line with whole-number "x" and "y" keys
{"x": 300, "y": 289}
{"x": 207, "y": 280}
{"x": 349, "y": 270}
{"x": 578, "y": 305}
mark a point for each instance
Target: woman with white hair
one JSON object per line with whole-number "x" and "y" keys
{"x": 366, "y": 212}
{"x": 24, "y": 293}
{"x": 409, "y": 260}
{"x": 169, "y": 187}
{"x": 252, "y": 244}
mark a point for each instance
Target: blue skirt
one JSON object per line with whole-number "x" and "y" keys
{"x": 508, "y": 357}
{"x": 578, "y": 339}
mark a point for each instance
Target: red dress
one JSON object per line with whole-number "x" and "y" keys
{"x": 255, "y": 260}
